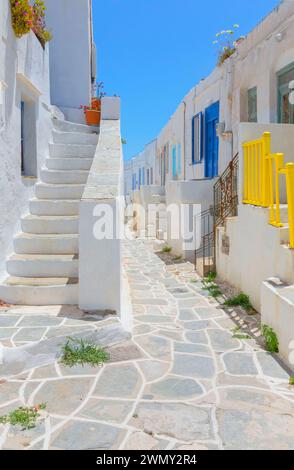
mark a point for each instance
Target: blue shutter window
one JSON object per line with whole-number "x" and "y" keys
{"x": 174, "y": 161}
{"x": 197, "y": 138}
{"x": 179, "y": 159}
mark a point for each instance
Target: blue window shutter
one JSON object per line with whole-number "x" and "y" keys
{"x": 197, "y": 138}
{"x": 179, "y": 159}
{"x": 174, "y": 161}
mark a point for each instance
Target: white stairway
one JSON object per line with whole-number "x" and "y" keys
{"x": 44, "y": 268}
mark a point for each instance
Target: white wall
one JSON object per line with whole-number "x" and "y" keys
{"x": 260, "y": 56}
{"x": 24, "y": 74}
{"x": 70, "y": 55}
{"x": 256, "y": 252}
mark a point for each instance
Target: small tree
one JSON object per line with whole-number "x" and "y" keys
{"x": 227, "y": 43}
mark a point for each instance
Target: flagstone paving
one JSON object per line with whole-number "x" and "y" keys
{"x": 181, "y": 382}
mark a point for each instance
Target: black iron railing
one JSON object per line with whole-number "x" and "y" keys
{"x": 226, "y": 193}
{"x": 225, "y": 205}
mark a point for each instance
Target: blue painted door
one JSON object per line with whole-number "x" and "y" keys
{"x": 211, "y": 140}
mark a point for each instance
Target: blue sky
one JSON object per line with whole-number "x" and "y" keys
{"x": 151, "y": 52}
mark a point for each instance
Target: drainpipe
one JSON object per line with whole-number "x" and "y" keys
{"x": 184, "y": 140}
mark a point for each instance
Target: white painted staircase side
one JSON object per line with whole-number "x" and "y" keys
{"x": 44, "y": 268}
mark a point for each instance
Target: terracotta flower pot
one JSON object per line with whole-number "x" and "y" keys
{"x": 96, "y": 104}
{"x": 92, "y": 117}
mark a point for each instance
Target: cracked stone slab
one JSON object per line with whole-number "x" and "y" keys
{"x": 176, "y": 420}
{"x": 191, "y": 348}
{"x": 142, "y": 441}
{"x": 155, "y": 346}
{"x": 153, "y": 370}
{"x": 63, "y": 396}
{"x": 112, "y": 411}
{"x": 255, "y": 420}
{"x": 88, "y": 435}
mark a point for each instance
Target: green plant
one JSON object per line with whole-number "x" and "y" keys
{"x": 166, "y": 249}
{"x": 22, "y": 16}
{"x": 26, "y": 17}
{"x": 99, "y": 90}
{"x": 211, "y": 277}
{"x": 237, "y": 334}
{"x": 23, "y": 416}
{"x": 212, "y": 288}
{"x": 177, "y": 258}
{"x": 39, "y": 22}
{"x": 77, "y": 351}
{"x": 227, "y": 44}
{"x": 271, "y": 339}
{"x": 241, "y": 300}
{"x": 291, "y": 380}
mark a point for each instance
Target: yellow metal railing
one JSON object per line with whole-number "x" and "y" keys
{"x": 262, "y": 171}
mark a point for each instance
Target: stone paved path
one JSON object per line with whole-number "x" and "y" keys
{"x": 182, "y": 382}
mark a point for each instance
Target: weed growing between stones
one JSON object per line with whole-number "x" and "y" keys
{"x": 166, "y": 249}
{"x": 241, "y": 300}
{"x": 237, "y": 334}
{"x": 271, "y": 339}
{"x": 211, "y": 287}
{"x": 79, "y": 352}
{"x": 23, "y": 416}
{"x": 291, "y": 380}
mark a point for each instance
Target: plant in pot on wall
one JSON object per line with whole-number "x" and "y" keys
{"x": 96, "y": 100}
{"x": 227, "y": 44}
{"x": 92, "y": 115}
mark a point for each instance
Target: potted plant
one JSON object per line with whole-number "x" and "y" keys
{"x": 96, "y": 100}
{"x": 92, "y": 115}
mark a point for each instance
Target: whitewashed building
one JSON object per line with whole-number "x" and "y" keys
{"x": 72, "y": 55}
{"x": 55, "y": 175}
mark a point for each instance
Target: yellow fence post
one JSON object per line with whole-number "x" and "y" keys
{"x": 276, "y": 165}
{"x": 290, "y": 198}
{"x": 265, "y": 179}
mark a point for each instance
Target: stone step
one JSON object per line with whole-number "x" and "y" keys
{"x": 64, "y": 176}
{"x": 59, "y": 191}
{"x": 26, "y": 243}
{"x": 50, "y": 224}
{"x": 72, "y": 151}
{"x": 54, "y": 207}
{"x": 40, "y": 291}
{"x": 66, "y": 126}
{"x": 79, "y": 138}
{"x": 69, "y": 163}
{"x": 43, "y": 265}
